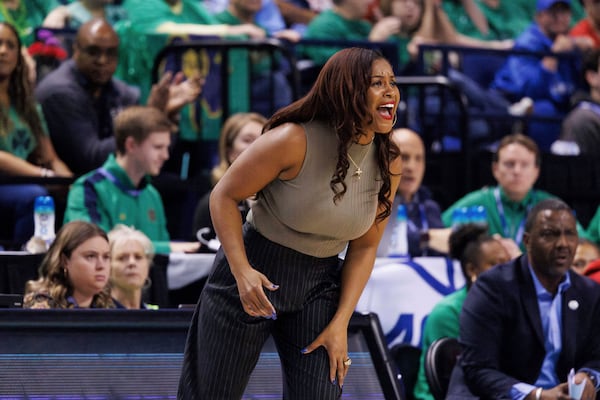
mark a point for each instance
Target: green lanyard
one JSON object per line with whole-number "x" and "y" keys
{"x": 20, "y": 23}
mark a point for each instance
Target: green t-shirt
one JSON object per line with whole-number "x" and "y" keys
{"x": 330, "y": 25}
{"x": 29, "y": 15}
{"x": 20, "y": 141}
{"x": 147, "y": 15}
{"x": 442, "y": 321}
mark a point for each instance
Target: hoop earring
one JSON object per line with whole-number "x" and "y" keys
{"x": 395, "y": 120}
{"x": 147, "y": 284}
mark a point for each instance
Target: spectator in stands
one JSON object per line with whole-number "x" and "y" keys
{"x": 131, "y": 254}
{"x": 26, "y": 15}
{"x": 345, "y": 22}
{"x": 589, "y": 26}
{"x": 269, "y": 16}
{"x": 74, "y": 272}
{"x": 299, "y": 13}
{"x": 586, "y": 252}
{"x": 477, "y": 252}
{"x": 424, "y": 215}
{"x": 526, "y": 323}
{"x": 182, "y": 17}
{"x": 516, "y": 167}
{"x": 81, "y": 11}
{"x": 593, "y": 229}
{"x": 592, "y": 270}
{"x": 25, "y": 148}
{"x": 81, "y": 98}
{"x": 120, "y": 192}
{"x": 269, "y": 83}
{"x": 237, "y": 134}
{"x": 548, "y": 80}
{"x": 580, "y": 132}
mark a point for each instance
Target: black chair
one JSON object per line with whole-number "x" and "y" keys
{"x": 407, "y": 359}
{"x": 439, "y": 362}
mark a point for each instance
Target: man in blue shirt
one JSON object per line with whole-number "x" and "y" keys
{"x": 525, "y": 324}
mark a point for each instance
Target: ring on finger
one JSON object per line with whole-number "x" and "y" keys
{"x": 348, "y": 362}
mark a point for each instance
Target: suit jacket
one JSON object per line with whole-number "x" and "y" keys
{"x": 502, "y": 337}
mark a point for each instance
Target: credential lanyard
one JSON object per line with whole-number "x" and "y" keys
{"x": 518, "y": 238}
{"x": 424, "y": 223}
{"x": 132, "y": 192}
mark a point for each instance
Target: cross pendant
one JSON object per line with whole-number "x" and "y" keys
{"x": 357, "y": 173}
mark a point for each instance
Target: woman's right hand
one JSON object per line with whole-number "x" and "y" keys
{"x": 250, "y": 285}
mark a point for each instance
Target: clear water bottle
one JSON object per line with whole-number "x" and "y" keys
{"x": 43, "y": 217}
{"x": 399, "y": 242}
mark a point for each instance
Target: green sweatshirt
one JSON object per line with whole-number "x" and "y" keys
{"x": 107, "y": 197}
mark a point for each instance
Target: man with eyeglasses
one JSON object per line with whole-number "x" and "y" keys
{"x": 516, "y": 167}
{"x": 81, "y": 97}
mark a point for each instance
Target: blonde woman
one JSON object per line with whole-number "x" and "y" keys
{"x": 237, "y": 134}
{"x": 131, "y": 254}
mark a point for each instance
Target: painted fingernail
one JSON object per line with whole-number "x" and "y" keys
{"x": 304, "y": 350}
{"x": 274, "y": 316}
{"x": 275, "y": 286}
{"x": 333, "y": 382}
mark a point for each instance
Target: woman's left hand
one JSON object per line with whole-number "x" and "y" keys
{"x": 335, "y": 340}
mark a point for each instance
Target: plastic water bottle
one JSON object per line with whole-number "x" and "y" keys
{"x": 399, "y": 242}
{"x": 460, "y": 216}
{"x": 478, "y": 215}
{"x": 43, "y": 217}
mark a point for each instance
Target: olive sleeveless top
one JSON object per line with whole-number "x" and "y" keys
{"x": 300, "y": 213}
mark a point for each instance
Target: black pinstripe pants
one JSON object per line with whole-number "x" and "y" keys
{"x": 224, "y": 342}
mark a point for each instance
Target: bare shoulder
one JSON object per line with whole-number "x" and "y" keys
{"x": 288, "y": 134}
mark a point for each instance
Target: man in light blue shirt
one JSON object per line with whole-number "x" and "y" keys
{"x": 525, "y": 324}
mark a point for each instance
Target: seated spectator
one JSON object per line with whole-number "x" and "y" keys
{"x": 593, "y": 230}
{"x": 345, "y": 22}
{"x": 74, "y": 272}
{"x": 526, "y": 323}
{"x": 131, "y": 254}
{"x": 548, "y": 80}
{"x": 120, "y": 191}
{"x": 238, "y": 132}
{"x": 589, "y": 26}
{"x": 580, "y": 132}
{"x": 477, "y": 252}
{"x": 81, "y": 97}
{"x": 25, "y": 148}
{"x": 299, "y": 13}
{"x": 81, "y": 11}
{"x": 586, "y": 253}
{"x": 424, "y": 215}
{"x": 26, "y": 15}
{"x": 592, "y": 271}
{"x": 182, "y": 17}
{"x": 269, "y": 83}
{"x": 516, "y": 167}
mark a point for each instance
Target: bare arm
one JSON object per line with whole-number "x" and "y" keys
{"x": 277, "y": 153}
{"x": 474, "y": 12}
{"x": 173, "y": 28}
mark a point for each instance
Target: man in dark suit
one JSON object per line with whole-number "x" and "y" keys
{"x": 526, "y": 323}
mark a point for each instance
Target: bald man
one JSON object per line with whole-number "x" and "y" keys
{"x": 425, "y": 234}
{"x": 81, "y": 97}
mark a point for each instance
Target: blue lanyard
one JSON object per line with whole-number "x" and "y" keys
{"x": 132, "y": 192}
{"x": 424, "y": 223}
{"x": 518, "y": 238}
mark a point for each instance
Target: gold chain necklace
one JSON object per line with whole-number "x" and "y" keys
{"x": 359, "y": 171}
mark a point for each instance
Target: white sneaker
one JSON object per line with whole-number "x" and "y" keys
{"x": 521, "y": 108}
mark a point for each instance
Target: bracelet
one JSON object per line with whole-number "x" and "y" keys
{"x": 46, "y": 173}
{"x": 538, "y": 393}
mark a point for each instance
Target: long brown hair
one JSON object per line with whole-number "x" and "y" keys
{"x": 52, "y": 277}
{"x": 339, "y": 98}
{"x": 20, "y": 93}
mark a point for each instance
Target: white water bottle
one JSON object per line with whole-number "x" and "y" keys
{"x": 43, "y": 218}
{"x": 399, "y": 241}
